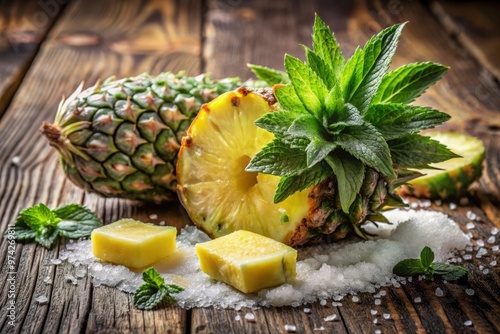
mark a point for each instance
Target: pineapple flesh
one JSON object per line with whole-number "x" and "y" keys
{"x": 121, "y": 138}
{"x": 220, "y": 196}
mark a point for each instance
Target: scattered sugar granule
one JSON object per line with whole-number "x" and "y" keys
{"x": 249, "y": 317}
{"x": 307, "y": 310}
{"x": 47, "y": 280}
{"x": 338, "y": 298}
{"x": 471, "y": 215}
{"x": 453, "y": 206}
{"x": 153, "y": 216}
{"x": 336, "y": 304}
{"x": 162, "y": 223}
{"x": 55, "y": 261}
{"x": 387, "y": 316}
{"x": 491, "y": 240}
{"x": 377, "y": 302}
{"x": 480, "y": 243}
{"x": 15, "y": 160}
{"x": 469, "y": 292}
{"x": 470, "y": 225}
{"x": 237, "y": 317}
{"x": 322, "y": 302}
{"x": 495, "y": 248}
{"x": 378, "y": 331}
{"x": 355, "y": 299}
{"x": 486, "y": 271}
{"x": 80, "y": 272}
{"x": 482, "y": 251}
{"x": 319, "y": 328}
{"x": 373, "y": 312}
{"x": 331, "y": 317}
{"x": 291, "y": 328}
{"x": 467, "y": 257}
{"x": 375, "y": 321}
{"x": 439, "y": 292}
{"x": 481, "y": 267}
{"x": 42, "y": 300}
{"x": 468, "y": 323}
{"x": 494, "y": 230}
{"x": 493, "y": 263}
{"x": 384, "y": 293}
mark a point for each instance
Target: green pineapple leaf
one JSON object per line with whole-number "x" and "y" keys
{"x": 408, "y": 82}
{"x": 269, "y": 75}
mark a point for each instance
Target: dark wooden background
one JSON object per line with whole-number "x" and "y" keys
{"x": 47, "y": 47}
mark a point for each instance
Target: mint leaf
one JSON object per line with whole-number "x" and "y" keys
{"x": 334, "y": 105}
{"x": 317, "y": 150}
{"x": 449, "y": 272}
{"x": 154, "y": 291}
{"x": 408, "y": 82}
{"x": 367, "y": 144}
{"x": 319, "y": 66}
{"x": 38, "y": 216}
{"x": 278, "y": 158}
{"x": 417, "y": 151}
{"x": 22, "y": 232}
{"x": 326, "y": 47}
{"x": 288, "y": 185}
{"x": 396, "y": 120}
{"x": 365, "y": 70}
{"x": 350, "y": 173}
{"x": 306, "y": 126}
{"x": 409, "y": 267}
{"x": 289, "y": 100}
{"x": 47, "y": 236}
{"x": 76, "y": 221}
{"x": 277, "y": 122}
{"x": 269, "y": 75}
{"x": 426, "y": 257}
{"x": 307, "y": 84}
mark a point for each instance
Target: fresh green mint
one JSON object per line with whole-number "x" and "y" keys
{"x": 43, "y": 225}
{"x": 339, "y": 117}
{"x": 154, "y": 290}
{"x": 427, "y": 267}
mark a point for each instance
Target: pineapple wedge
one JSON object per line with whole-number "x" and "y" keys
{"x": 132, "y": 243}
{"x": 247, "y": 261}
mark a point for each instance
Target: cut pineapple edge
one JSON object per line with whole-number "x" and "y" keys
{"x": 224, "y": 194}
{"x": 452, "y": 177}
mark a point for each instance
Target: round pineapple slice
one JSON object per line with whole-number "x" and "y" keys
{"x": 454, "y": 176}
{"x": 218, "y": 194}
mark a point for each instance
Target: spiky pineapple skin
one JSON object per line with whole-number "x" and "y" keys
{"x": 323, "y": 218}
{"x": 121, "y": 138}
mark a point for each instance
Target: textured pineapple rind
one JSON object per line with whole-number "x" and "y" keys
{"x": 448, "y": 184}
{"x": 155, "y": 110}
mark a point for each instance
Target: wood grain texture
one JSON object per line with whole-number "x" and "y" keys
{"x": 23, "y": 26}
{"x": 91, "y": 40}
{"x": 476, "y": 27}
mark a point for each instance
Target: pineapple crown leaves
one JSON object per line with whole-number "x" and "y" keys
{"x": 338, "y": 116}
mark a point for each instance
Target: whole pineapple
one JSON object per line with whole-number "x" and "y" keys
{"x": 121, "y": 138}
{"x": 317, "y": 156}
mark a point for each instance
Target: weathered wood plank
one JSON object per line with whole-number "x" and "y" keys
{"x": 23, "y": 26}
{"x": 91, "y": 40}
{"x": 476, "y": 27}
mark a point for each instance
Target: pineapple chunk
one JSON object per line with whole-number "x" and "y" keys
{"x": 247, "y": 261}
{"x": 132, "y": 243}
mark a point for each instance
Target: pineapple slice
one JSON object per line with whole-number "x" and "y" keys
{"x": 132, "y": 243}
{"x": 219, "y": 194}
{"x": 247, "y": 261}
{"x": 454, "y": 176}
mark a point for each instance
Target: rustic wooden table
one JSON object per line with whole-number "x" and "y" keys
{"x": 47, "y": 48}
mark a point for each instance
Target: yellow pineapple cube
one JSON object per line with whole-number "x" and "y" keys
{"x": 247, "y": 261}
{"x": 133, "y": 243}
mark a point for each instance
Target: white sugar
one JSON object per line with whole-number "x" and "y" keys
{"x": 480, "y": 243}
{"x": 373, "y": 312}
{"x": 439, "y": 292}
{"x": 153, "y": 216}
{"x": 471, "y": 215}
{"x": 319, "y": 328}
{"x": 467, "y": 257}
{"x": 453, "y": 206}
{"x": 250, "y": 317}
{"x": 493, "y": 263}
{"x": 355, "y": 299}
{"x": 47, "y": 280}
{"x": 469, "y": 292}
{"x": 290, "y": 328}
{"x": 491, "y": 239}
{"x": 387, "y": 316}
{"x": 42, "y": 300}
{"x": 336, "y": 304}
{"x": 378, "y": 331}
{"x": 494, "y": 230}
{"x": 331, "y": 317}
{"x": 377, "y": 302}
{"x": 468, "y": 323}
{"x": 237, "y": 317}
{"x": 417, "y": 300}
{"x": 324, "y": 272}
{"x": 470, "y": 225}
{"x": 15, "y": 160}
{"x": 55, "y": 261}
{"x": 70, "y": 279}
{"x": 307, "y": 310}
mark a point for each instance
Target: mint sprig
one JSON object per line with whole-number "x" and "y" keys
{"x": 43, "y": 225}
{"x": 154, "y": 291}
{"x": 339, "y": 117}
{"x": 427, "y": 267}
